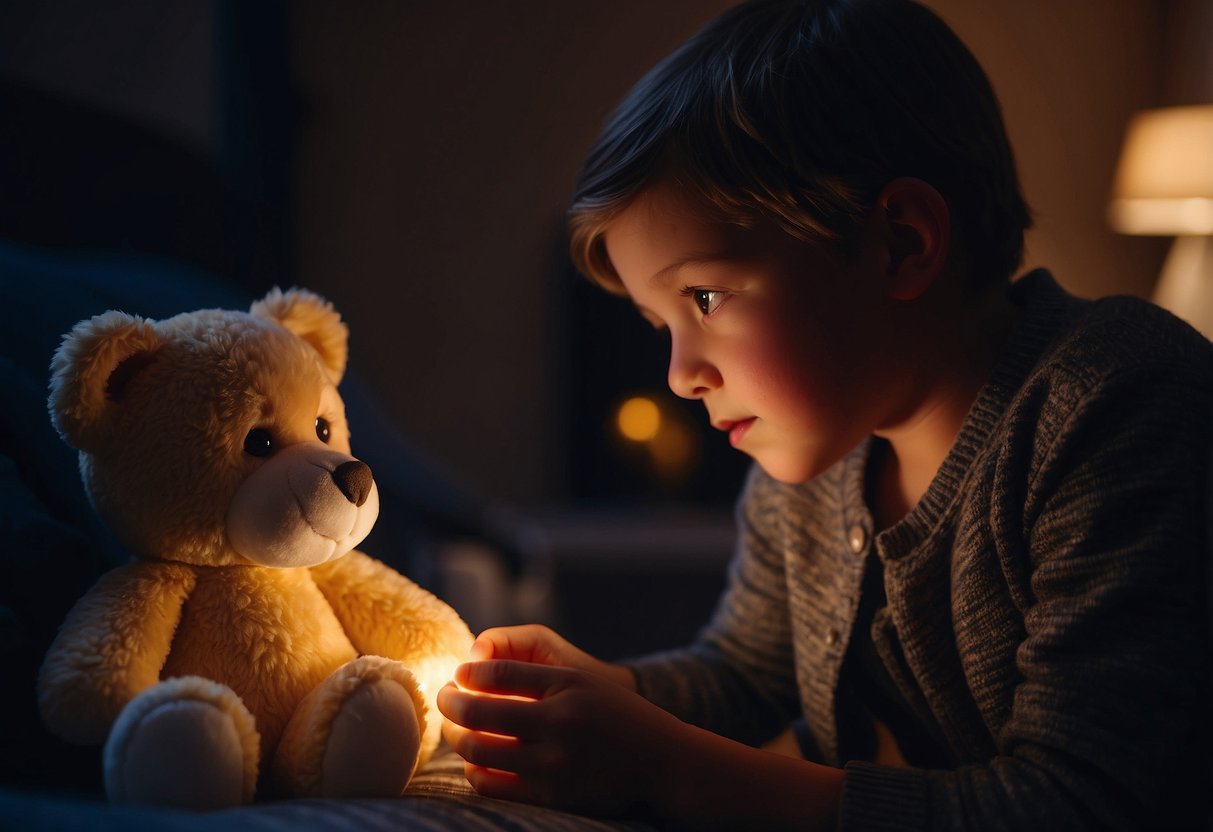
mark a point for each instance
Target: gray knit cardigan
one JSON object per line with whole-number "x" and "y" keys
{"x": 1047, "y": 612}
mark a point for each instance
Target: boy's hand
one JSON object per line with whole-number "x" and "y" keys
{"x": 539, "y": 721}
{"x": 571, "y": 738}
{"x": 539, "y": 645}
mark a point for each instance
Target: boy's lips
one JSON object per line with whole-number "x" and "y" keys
{"x": 736, "y": 428}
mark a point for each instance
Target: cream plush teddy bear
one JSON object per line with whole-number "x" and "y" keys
{"x": 248, "y": 644}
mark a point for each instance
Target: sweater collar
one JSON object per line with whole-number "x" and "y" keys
{"x": 1045, "y": 309}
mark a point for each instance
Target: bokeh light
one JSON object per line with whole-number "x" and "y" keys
{"x": 639, "y": 419}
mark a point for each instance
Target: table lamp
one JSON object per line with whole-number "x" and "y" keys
{"x": 1164, "y": 186}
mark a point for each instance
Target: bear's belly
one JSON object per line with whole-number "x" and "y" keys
{"x": 268, "y": 634}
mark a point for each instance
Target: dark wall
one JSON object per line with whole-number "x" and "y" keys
{"x": 160, "y": 128}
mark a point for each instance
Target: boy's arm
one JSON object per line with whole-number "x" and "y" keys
{"x": 112, "y": 645}
{"x": 722, "y": 784}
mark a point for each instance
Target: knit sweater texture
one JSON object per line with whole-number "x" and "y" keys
{"x": 1047, "y": 609}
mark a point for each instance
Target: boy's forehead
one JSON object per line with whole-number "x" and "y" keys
{"x": 664, "y": 205}
{"x": 659, "y": 215}
{"x": 647, "y": 238}
{"x": 662, "y": 229}
{"x": 651, "y": 213}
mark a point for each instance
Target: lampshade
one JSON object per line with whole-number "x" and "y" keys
{"x": 1164, "y": 185}
{"x": 1164, "y": 182}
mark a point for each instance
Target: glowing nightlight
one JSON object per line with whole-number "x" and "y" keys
{"x": 639, "y": 419}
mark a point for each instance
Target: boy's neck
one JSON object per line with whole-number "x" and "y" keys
{"x": 957, "y": 348}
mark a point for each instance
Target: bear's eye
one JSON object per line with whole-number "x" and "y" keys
{"x": 322, "y": 429}
{"x": 258, "y": 442}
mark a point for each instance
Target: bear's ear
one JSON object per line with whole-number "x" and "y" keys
{"x": 311, "y": 318}
{"x": 91, "y": 371}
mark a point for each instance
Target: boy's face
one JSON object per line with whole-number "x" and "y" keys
{"x": 782, "y": 340}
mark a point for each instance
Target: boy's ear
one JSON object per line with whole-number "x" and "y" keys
{"x": 917, "y": 232}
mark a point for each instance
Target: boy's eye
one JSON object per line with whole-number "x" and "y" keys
{"x": 708, "y": 300}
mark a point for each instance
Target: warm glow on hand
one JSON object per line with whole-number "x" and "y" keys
{"x": 536, "y": 644}
{"x": 553, "y": 735}
{"x": 466, "y": 688}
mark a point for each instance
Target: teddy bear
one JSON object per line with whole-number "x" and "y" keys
{"x": 248, "y": 648}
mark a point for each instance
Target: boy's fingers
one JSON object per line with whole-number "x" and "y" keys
{"x": 489, "y": 750}
{"x": 499, "y": 643}
{"x": 526, "y": 643}
{"x": 478, "y": 712}
{"x": 511, "y": 678}
{"x": 504, "y": 785}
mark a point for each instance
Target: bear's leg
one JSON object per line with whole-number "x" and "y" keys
{"x": 358, "y": 734}
{"x": 186, "y": 742}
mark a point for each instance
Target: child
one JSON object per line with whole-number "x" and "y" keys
{"x": 972, "y": 551}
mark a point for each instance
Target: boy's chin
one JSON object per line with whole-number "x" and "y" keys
{"x": 789, "y": 471}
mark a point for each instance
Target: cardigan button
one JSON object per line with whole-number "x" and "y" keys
{"x": 832, "y": 638}
{"x": 857, "y": 537}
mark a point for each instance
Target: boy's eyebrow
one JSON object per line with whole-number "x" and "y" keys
{"x": 698, "y": 259}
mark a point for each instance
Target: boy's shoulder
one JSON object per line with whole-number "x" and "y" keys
{"x": 1096, "y": 341}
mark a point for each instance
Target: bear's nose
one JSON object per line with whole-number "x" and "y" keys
{"x": 355, "y": 479}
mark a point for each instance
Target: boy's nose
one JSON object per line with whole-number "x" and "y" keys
{"x": 691, "y": 376}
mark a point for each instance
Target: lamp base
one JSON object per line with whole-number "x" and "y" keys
{"x": 1185, "y": 286}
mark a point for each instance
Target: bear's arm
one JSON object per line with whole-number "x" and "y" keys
{"x": 112, "y": 645}
{"x": 385, "y": 614}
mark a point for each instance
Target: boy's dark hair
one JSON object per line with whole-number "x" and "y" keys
{"x": 798, "y": 112}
